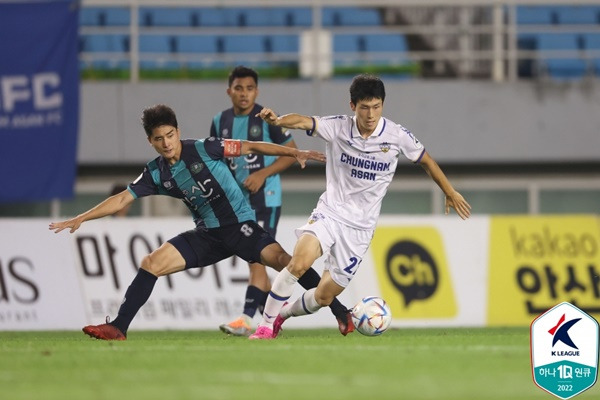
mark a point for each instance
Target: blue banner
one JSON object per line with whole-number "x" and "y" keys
{"x": 39, "y": 100}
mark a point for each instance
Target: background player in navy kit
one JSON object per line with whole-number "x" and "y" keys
{"x": 194, "y": 171}
{"x": 258, "y": 177}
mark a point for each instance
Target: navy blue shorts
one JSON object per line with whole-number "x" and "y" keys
{"x": 201, "y": 246}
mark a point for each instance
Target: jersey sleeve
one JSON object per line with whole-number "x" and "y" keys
{"x": 143, "y": 185}
{"x": 410, "y": 146}
{"x": 327, "y": 127}
{"x": 279, "y": 135}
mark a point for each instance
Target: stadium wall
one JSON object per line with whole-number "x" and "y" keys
{"x": 432, "y": 270}
{"x": 458, "y": 121}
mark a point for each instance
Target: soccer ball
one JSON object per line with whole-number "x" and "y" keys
{"x": 371, "y": 316}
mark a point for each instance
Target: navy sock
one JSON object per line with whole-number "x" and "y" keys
{"x": 136, "y": 295}
{"x": 310, "y": 280}
{"x": 255, "y": 299}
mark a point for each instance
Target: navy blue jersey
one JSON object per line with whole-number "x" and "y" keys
{"x": 227, "y": 125}
{"x": 201, "y": 179}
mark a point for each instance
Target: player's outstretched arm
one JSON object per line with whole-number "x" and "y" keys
{"x": 290, "y": 121}
{"x": 271, "y": 149}
{"x": 108, "y": 207}
{"x": 453, "y": 198}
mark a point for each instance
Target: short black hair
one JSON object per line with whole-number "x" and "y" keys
{"x": 158, "y": 115}
{"x": 242, "y": 72}
{"x": 366, "y": 87}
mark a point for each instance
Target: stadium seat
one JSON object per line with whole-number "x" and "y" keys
{"x": 347, "y": 43}
{"x": 260, "y": 16}
{"x": 244, "y": 44}
{"x": 386, "y": 42}
{"x": 166, "y": 16}
{"x": 285, "y": 43}
{"x": 561, "y": 68}
{"x": 214, "y": 17}
{"x": 158, "y": 44}
{"x": 104, "y": 43}
{"x": 294, "y": 16}
{"x": 591, "y": 41}
{"x": 574, "y": 15}
{"x": 197, "y": 44}
{"x": 536, "y": 15}
{"x": 104, "y": 16}
{"x": 350, "y": 16}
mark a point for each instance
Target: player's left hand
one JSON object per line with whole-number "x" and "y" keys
{"x": 460, "y": 205}
{"x": 255, "y": 181}
{"x": 303, "y": 155}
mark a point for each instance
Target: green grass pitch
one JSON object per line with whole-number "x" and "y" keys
{"x": 452, "y": 363}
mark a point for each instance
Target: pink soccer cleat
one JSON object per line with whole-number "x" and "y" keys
{"x": 277, "y": 325}
{"x": 262, "y": 332}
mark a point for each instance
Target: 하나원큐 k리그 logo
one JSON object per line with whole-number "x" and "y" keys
{"x": 564, "y": 351}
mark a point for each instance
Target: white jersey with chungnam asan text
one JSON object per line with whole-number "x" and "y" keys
{"x": 359, "y": 170}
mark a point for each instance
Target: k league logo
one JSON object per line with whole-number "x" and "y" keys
{"x": 564, "y": 351}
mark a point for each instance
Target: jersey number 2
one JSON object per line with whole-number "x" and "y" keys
{"x": 354, "y": 262}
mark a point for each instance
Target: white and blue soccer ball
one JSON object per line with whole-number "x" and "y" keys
{"x": 371, "y": 316}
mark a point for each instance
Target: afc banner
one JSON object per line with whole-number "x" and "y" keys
{"x": 39, "y": 99}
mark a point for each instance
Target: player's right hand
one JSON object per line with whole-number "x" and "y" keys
{"x": 268, "y": 116}
{"x": 73, "y": 223}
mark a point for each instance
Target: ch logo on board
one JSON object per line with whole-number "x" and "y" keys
{"x": 564, "y": 351}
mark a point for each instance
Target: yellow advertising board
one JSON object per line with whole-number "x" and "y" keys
{"x": 538, "y": 262}
{"x": 412, "y": 272}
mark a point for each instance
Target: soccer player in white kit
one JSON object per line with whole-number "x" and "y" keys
{"x": 362, "y": 154}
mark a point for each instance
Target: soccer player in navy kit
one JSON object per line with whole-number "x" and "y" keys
{"x": 258, "y": 177}
{"x": 194, "y": 171}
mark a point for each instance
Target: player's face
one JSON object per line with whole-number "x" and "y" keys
{"x": 243, "y": 92}
{"x": 367, "y": 114}
{"x": 165, "y": 140}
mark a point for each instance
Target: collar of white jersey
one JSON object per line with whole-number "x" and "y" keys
{"x": 379, "y": 128}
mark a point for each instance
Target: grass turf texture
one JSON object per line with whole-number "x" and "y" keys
{"x": 486, "y": 363}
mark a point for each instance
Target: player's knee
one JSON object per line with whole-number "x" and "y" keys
{"x": 149, "y": 264}
{"x": 298, "y": 267}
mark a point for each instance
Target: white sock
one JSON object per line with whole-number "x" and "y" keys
{"x": 306, "y": 304}
{"x": 281, "y": 290}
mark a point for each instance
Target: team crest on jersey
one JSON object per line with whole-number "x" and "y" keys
{"x": 255, "y": 131}
{"x": 168, "y": 185}
{"x": 225, "y": 133}
{"x": 385, "y": 147}
{"x": 196, "y": 167}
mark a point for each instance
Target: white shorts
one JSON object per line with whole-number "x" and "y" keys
{"x": 343, "y": 245}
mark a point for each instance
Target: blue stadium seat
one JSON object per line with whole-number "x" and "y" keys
{"x": 347, "y": 43}
{"x": 104, "y": 43}
{"x": 294, "y": 16}
{"x": 260, "y": 16}
{"x": 158, "y": 44}
{"x": 285, "y": 43}
{"x": 591, "y": 41}
{"x": 104, "y": 16}
{"x": 278, "y": 16}
{"x": 166, "y": 16}
{"x": 577, "y": 15}
{"x": 244, "y": 44}
{"x": 562, "y": 68}
{"x": 197, "y": 44}
{"x": 350, "y": 16}
{"x": 213, "y": 17}
{"x": 536, "y": 15}
{"x": 386, "y": 42}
